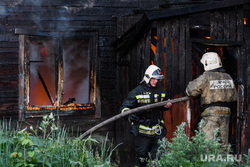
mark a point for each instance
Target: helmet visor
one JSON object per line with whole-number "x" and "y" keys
{"x": 157, "y": 74}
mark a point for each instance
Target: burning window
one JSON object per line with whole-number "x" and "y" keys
{"x": 42, "y": 73}
{"x": 57, "y": 75}
{"x": 43, "y": 70}
{"x": 76, "y": 71}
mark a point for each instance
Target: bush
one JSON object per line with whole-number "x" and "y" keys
{"x": 196, "y": 152}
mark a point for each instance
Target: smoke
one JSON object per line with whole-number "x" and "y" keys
{"x": 15, "y": 3}
{"x": 51, "y": 11}
{"x": 81, "y": 6}
{"x": 3, "y": 11}
{"x": 42, "y": 60}
{"x": 76, "y": 70}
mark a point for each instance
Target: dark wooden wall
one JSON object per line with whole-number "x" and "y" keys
{"x": 244, "y": 103}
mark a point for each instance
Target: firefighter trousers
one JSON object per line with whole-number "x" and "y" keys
{"x": 145, "y": 145}
{"x": 213, "y": 122}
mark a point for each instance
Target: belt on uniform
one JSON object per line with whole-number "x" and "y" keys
{"x": 150, "y": 123}
{"x": 215, "y": 112}
{"x": 150, "y": 131}
{"x": 217, "y": 104}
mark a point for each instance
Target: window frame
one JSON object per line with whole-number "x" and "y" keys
{"x": 25, "y": 111}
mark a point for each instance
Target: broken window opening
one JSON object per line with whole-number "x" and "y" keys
{"x": 76, "y": 71}
{"x": 57, "y": 75}
{"x": 42, "y": 73}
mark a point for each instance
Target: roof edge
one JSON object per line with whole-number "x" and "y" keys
{"x": 194, "y": 9}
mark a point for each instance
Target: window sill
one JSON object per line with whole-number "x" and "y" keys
{"x": 63, "y": 110}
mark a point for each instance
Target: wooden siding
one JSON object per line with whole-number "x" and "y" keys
{"x": 244, "y": 69}
{"x": 227, "y": 25}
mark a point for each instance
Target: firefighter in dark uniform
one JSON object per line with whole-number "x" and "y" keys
{"x": 147, "y": 126}
{"x": 217, "y": 91}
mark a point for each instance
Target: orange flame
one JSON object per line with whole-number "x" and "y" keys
{"x": 245, "y": 21}
{"x": 44, "y": 51}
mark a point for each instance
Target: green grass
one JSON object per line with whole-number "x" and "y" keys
{"x": 49, "y": 145}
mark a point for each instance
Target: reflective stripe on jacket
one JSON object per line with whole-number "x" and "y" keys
{"x": 144, "y": 95}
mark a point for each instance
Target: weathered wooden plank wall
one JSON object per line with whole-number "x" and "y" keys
{"x": 227, "y": 25}
{"x": 246, "y": 124}
{"x": 245, "y": 107}
{"x": 175, "y": 68}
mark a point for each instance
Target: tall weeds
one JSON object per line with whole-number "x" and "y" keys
{"x": 7, "y": 140}
{"x": 49, "y": 145}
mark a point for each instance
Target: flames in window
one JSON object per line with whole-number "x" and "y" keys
{"x": 44, "y": 73}
{"x": 245, "y": 21}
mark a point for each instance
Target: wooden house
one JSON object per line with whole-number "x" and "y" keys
{"x": 79, "y": 59}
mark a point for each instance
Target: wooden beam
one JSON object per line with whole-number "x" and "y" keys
{"x": 193, "y": 9}
{"x": 169, "y": 57}
{"x": 216, "y": 42}
{"x": 58, "y": 34}
{"x": 45, "y": 88}
{"x": 22, "y": 95}
{"x": 129, "y": 37}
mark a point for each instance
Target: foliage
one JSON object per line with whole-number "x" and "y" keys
{"x": 50, "y": 145}
{"x": 196, "y": 152}
{"x": 7, "y": 138}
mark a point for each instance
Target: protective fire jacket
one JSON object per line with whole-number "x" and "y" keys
{"x": 216, "y": 88}
{"x": 148, "y": 122}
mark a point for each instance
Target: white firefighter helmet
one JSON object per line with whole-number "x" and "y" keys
{"x": 152, "y": 72}
{"x": 210, "y": 61}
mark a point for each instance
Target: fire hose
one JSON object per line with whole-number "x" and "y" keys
{"x": 134, "y": 110}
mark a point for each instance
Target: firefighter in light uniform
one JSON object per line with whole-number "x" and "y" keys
{"x": 147, "y": 126}
{"x": 217, "y": 91}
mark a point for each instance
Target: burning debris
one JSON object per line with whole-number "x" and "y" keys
{"x": 71, "y": 100}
